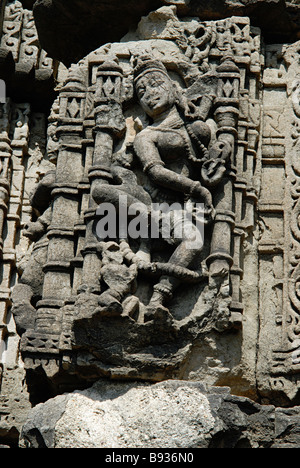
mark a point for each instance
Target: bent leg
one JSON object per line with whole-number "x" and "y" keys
{"x": 184, "y": 255}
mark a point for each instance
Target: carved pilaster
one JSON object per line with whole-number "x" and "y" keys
{"x": 285, "y": 367}
{"x": 57, "y": 287}
{"x": 109, "y": 122}
{"x": 226, "y": 114}
{"x": 12, "y": 28}
{"x": 5, "y": 155}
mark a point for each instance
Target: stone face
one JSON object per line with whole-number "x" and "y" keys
{"x": 68, "y": 30}
{"x": 170, "y": 414}
{"x": 14, "y": 404}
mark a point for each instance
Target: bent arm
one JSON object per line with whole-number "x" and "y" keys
{"x": 170, "y": 180}
{"x": 148, "y": 154}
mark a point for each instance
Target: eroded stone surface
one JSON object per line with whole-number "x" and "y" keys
{"x": 170, "y": 414}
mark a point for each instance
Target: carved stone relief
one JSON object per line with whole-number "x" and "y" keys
{"x": 23, "y": 162}
{"x": 282, "y": 361}
{"x": 170, "y": 115}
{"x": 20, "y": 37}
{"x": 149, "y": 224}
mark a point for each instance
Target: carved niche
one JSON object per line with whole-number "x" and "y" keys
{"x": 169, "y": 116}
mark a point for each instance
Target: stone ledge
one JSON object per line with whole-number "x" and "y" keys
{"x": 170, "y": 414}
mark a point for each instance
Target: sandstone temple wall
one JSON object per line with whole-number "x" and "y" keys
{"x": 182, "y": 104}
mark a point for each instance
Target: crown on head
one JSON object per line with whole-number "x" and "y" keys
{"x": 146, "y": 63}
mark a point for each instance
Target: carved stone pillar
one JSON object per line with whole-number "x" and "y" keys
{"x": 57, "y": 287}
{"x": 109, "y": 122}
{"x": 5, "y": 155}
{"x": 226, "y": 114}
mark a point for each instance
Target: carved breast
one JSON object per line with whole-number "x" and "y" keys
{"x": 173, "y": 144}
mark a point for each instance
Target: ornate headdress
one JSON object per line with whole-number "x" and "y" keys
{"x": 146, "y": 63}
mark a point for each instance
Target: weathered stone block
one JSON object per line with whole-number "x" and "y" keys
{"x": 170, "y": 414}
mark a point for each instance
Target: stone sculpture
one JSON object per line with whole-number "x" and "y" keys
{"x": 139, "y": 124}
{"x": 149, "y": 221}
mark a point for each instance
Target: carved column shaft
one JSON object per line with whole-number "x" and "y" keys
{"x": 13, "y": 149}
{"x": 5, "y": 156}
{"x": 109, "y": 122}
{"x": 226, "y": 115}
{"x": 57, "y": 287}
